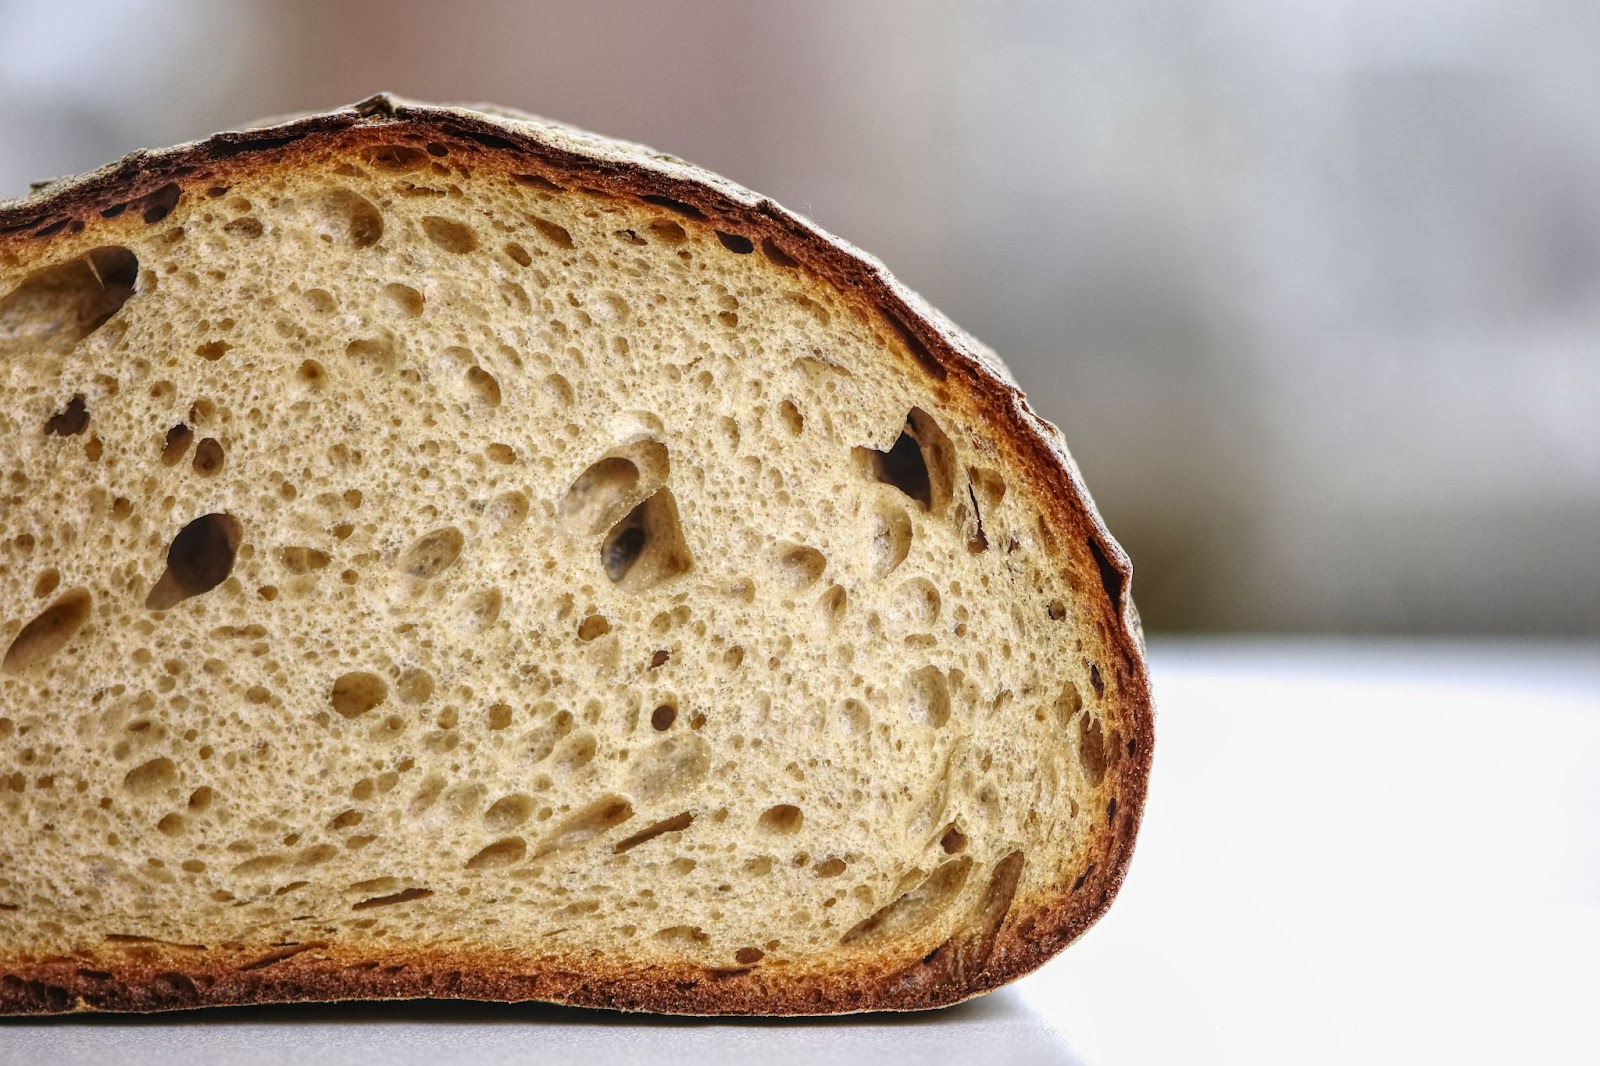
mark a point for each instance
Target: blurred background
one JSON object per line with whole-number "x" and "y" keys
{"x": 1313, "y": 288}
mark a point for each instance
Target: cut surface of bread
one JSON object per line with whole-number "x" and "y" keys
{"x": 446, "y": 553}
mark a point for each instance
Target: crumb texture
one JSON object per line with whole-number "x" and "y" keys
{"x": 397, "y": 553}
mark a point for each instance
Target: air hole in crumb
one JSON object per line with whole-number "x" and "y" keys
{"x": 404, "y": 299}
{"x": 519, "y": 254}
{"x": 689, "y": 935}
{"x": 158, "y": 205}
{"x": 587, "y": 823}
{"x": 671, "y": 766}
{"x": 1095, "y": 682}
{"x": 558, "y": 390}
{"x": 247, "y": 227}
{"x": 1092, "y": 753}
{"x": 56, "y": 307}
{"x": 687, "y": 210}
{"x": 415, "y": 686}
{"x": 604, "y": 492}
{"x": 556, "y": 235}
{"x": 508, "y": 812}
{"x": 889, "y": 540}
{"x": 595, "y": 625}
{"x": 659, "y": 658}
{"x": 791, "y": 418}
{"x": 404, "y": 896}
{"x": 538, "y": 181}
{"x": 150, "y": 777}
{"x": 208, "y": 457}
{"x": 1057, "y": 610}
{"x": 802, "y": 567}
{"x": 829, "y": 867}
{"x": 954, "y": 841}
{"x": 508, "y": 510}
{"x": 395, "y": 158}
{"x": 457, "y": 238}
{"x": 784, "y": 819}
{"x": 920, "y": 463}
{"x": 48, "y": 632}
{"x": 211, "y": 351}
{"x": 777, "y": 255}
{"x": 915, "y": 909}
{"x": 647, "y": 547}
{"x": 179, "y": 437}
{"x": 749, "y": 956}
{"x": 311, "y": 372}
{"x": 901, "y": 466}
{"x": 199, "y": 559}
{"x": 298, "y": 559}
{"x": 483, "y": 386}
{"x": 347, "y": 217}
{"x": 916, "y": 602}
{"x": 70, "y": 421}
{"x": 500, "y": 853}
{"x": 834, "y": 602}
{"x": 735, "y": 242}
{"x": 432, "y": 554}
{"x": 499, "y": 716}
{"x": 483, "y": 608}
{"x": 676, "y": 824}
{"x": 1110, "y": 576}
{"x": 667, "y": 232}
{"x": 928, "y": 697}
{"x": 357, "y": 692}
{"x": 662, "y": 717}
{"x": 46, "y": 584}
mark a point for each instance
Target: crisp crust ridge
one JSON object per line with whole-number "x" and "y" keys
{"x": 151, "y": 976}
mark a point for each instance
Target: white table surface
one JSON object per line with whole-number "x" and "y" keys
{"x": 1355, "y": 852}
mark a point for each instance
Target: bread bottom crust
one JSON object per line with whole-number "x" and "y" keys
{"x": 148, "y": 976}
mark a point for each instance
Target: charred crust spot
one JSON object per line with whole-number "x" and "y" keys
{"x": 225, "y": 146}
{"x": 489, "y": 140}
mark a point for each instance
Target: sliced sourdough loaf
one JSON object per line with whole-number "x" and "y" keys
{"x": 446, "y": 553}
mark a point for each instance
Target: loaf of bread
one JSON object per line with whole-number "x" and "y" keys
{"x": 446, "y": 553}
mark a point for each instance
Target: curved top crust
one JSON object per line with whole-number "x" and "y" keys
{"x": 540, "y": 150}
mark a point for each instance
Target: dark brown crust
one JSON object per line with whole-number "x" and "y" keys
{"x": 1024, "y": 933}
